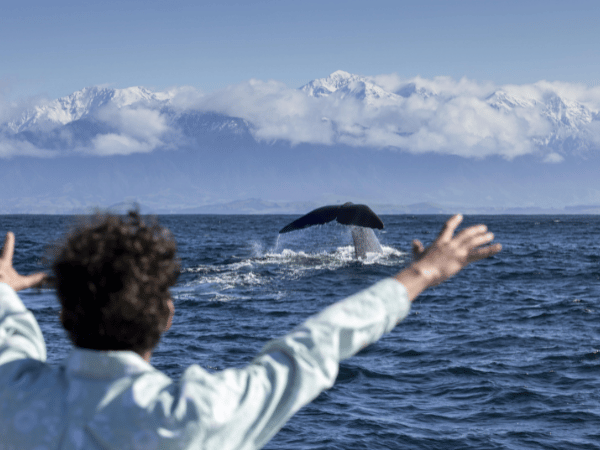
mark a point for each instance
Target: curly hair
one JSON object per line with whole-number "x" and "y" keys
{"x": 113, "y": 275}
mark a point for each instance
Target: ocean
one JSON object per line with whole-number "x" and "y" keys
{"x": 506, "y": 355}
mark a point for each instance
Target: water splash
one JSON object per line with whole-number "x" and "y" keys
{"x": 241, "y": 279}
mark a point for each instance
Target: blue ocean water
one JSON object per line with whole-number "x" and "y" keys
{"x": 504, "y": 356}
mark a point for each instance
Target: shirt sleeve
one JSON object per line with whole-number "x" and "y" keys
{"x": 20, "y": 334}
{"x": 246, "y": 407}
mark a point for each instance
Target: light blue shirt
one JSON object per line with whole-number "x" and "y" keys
{"x": 116, "y": 400}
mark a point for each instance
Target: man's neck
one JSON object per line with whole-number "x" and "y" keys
{"x": 146, "y": 356}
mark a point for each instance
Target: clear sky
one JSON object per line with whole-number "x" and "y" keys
{"x": 55, "y": 48}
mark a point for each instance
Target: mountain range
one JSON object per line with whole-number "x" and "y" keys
{"x": 343, "y": 137}
{"x": 567, "y": 117}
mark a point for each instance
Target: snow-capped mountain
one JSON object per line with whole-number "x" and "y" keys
{"x": 82, "y": 104}
{"x": 343, "y": 84}
{"x": 323, "y": 87}
{"x": 76, "y": 122}
{"x": 567, "y": 113}
{"x": 568, "y": 120}
{"x": 502, "y": 101}
{"x": 560, "y": 112}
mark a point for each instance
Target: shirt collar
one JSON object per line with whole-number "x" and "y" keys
{"x": 105, "y": 364}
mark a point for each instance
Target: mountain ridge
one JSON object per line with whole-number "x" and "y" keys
{"x": 566, "y": 116}
{"x": 81, "y": 104}
{"x": 256, "y": 206}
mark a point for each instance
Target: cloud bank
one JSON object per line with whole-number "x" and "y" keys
{"x": 137, "y": 130}
{"x": 441, "y": 115}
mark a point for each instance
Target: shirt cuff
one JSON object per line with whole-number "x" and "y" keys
{"x": 395, "y": 298}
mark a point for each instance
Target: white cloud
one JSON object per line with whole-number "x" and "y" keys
{"x": 139, "y": 130}
{"x": 469, "y": 127}
{"x": 274, "y": 110}
{"x": 142, "y": 123}
{"x": 183, "y": 97}
{"x": 553, "y": 158}
{"x": 117, "y": 144}
{"x": 10, "y": 148}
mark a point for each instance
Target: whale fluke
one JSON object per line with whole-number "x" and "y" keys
{"x": 347, "y": 214}
{"x": 360, "y": 217}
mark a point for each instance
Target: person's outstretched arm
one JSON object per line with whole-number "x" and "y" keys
{"x": 292, "y": 370}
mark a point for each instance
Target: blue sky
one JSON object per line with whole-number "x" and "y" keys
{"x": 245, "y": 59}
{"x": 55, "y": 48}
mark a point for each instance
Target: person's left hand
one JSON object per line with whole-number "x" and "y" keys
{"x": 449, "y": 254}
{"x": 9, "y": 275}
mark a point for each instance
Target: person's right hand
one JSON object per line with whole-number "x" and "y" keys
{"x": 9, "y": 275}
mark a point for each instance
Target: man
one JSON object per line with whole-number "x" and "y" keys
{"x": 112, "y": 278}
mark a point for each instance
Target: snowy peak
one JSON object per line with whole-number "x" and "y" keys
{"x": 81, "y": 104}
{"x": 562, "y": 113}
{"x": 502, "y": 101}
{"x": 129, "y": 96}
{"x": 323, "y": 87}
{"x": 366, "y": 91}
{"x": 567, "y": 112}
{"x": 344, "y": 84}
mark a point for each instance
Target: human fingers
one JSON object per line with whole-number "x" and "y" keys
{"x": 469, "y": 233}
{"x": 449, "y": 227}
{"x": 9, "y": 247}
{"x": 484, "y": 252}
{"x": 477, "y": 240}
{"x": 36, "y": 278}
{"x": 417, "y": 249}
{"x": 31, "y": 280}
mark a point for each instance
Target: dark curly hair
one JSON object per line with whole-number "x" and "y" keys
{"x": 113, "y": 275}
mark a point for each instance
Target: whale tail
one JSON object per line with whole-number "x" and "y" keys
{"x": 360, "y": 217}
{"x": 347, "y": 214}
